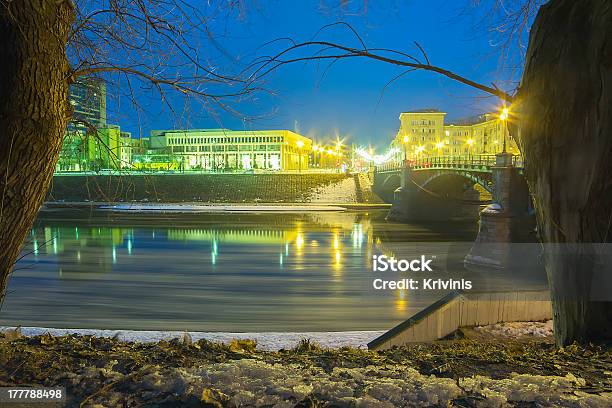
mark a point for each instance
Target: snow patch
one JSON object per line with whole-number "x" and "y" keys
{"x": 265, "y": 340}
{"x": 340, "y": 192}
{"x": 256, "y": 383}
{"x": 197, "y": 208}
{"x": 516, "y": 329}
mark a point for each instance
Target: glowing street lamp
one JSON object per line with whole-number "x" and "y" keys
{"x": 470, "y": 142}
{"x": 315, "y": 149}
{"x": 503, "y": 116}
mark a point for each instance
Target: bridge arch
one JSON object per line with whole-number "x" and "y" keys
{"x": 473, "y": 177}
{"x": 392, "y": 181}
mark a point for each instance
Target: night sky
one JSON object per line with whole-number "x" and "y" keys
{"x": 351, "y": 98}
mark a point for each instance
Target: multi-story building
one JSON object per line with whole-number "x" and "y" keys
{"x": 88, "y": 100}
{"x": 126, "y": 151}
{"x": 424, "y": 133}
{"x": 73, "y": 156}
{"x": 90, "y": 143}
{"x": 224, "y": 149}
{"x": 420, "y": 131}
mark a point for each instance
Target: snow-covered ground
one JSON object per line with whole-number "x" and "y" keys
{"x": 340, "y": 192}
{"x": 199, "y": 208}
{"x": 256, "y": 383}
{"x": 516, "y": 329}
{"x": 265, "y": 340}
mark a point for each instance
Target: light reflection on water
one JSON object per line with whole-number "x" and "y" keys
{"x": 213, "y": 272}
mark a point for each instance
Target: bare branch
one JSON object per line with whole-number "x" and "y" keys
{"x": 273, "y": 63}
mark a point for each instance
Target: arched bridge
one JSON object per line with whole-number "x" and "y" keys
{"x": 438, "y": 188}
{"x": 440, "y": 172}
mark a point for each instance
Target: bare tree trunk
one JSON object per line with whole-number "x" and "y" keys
{"x": 564, "y": 118}
{"x": 34, "y": 111}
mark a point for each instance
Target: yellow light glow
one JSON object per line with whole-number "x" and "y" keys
{"x": 330, "y": 151}
{"x": 504, "y": 114}
{"x": 299, "y": 241}
{"x": 470, "y": 142}
{"x": 315, "y": 148}
{"x": 439, "y": 145}
{"x": 400, "y": 305}
{"x": 300, "y": 144}
{"x": 405, "y": 139}
{"x": 420, "y": 149}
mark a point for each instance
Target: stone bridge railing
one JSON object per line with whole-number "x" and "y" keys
{"x": 471, "y": 162}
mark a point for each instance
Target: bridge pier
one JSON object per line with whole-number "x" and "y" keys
{"x": 506, "y": 221}
{"x": 403, "y": 196}
{"x": 413, "y": 203}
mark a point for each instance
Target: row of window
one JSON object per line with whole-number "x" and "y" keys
{"x": 431, "y": 130}
{"x": 172, "y": 140}
{"x": 224, "y": 148}
{"x": 423, "y": 122}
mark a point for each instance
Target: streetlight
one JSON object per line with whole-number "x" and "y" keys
{"x": 300, "y": 144}
{"x": 503, "y": 116}
{"x": 470, "y": 142}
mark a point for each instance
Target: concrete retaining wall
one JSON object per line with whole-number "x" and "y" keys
{"x": 457, "y": 310}
{"x": 218, "y": 188}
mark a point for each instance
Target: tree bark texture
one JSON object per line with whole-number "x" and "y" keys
{"x": 563, "y": 116}
{"x": 34, "y": 111}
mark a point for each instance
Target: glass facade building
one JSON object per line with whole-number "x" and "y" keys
{"x": 223, "y": 149}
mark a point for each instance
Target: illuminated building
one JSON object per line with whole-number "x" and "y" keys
{"x": 90, "y": 143}
{"x": 223, "y": 149}
{"x": 424, "y": 133}
{"x": 88, "y": 100}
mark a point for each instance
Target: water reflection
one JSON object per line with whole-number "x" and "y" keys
{"x": 229, "y": 272}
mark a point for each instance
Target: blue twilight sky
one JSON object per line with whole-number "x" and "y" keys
{"x": 350, "y": 99}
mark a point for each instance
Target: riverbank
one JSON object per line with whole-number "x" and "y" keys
{"x": 462, "y": 373}
{"x": 215, "y": 188}
{"x": 210, "y": 207}
{"x": 269, "y": 341}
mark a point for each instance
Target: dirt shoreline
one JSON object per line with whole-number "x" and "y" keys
{"x": 487, "y": 372}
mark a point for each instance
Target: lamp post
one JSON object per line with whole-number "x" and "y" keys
{"x": 503, "y": 116}
{"x": 300, "y": 144}
{"x": 405, "y": 153}
{"x": 470, "y": 142}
